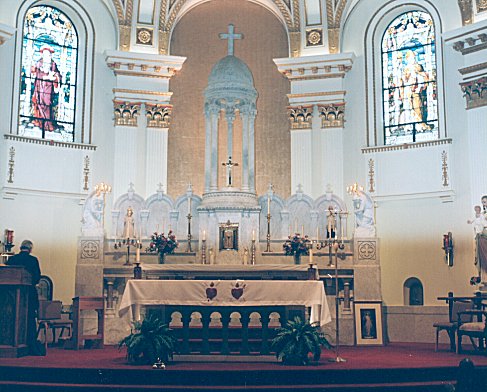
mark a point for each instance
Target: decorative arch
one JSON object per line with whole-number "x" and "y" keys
{"x": 170, "y": 14}
{"x": 44, "y": 25}
{"x": 376, "y": 31}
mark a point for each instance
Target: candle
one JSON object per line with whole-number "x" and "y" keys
{"x": 204, "y": 235}
{"x": 189, "y": 205}
{"x": 137, "y": 252}
{"x": 295, "y": 226}
{"x": 253, "y": 235}
{"x": 318, "y": 233}
{"x": 302, "y": 230}
{"x": 311, "y": 254}
{"x": 268, "y": 205}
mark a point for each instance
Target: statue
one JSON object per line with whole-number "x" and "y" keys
{"x": 212, "y": 256}
{"x": 91, "y": 222}
{"x": 129, "y": 224}
{"x": 331, "y": 222}
{"x": 245, "y": 256}
{"x": 480, "y": 229}
{"x": 364, "y": 215}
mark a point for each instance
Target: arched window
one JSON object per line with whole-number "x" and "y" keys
{"x": 48, "y": 75}
{"x": 409, "y": 79}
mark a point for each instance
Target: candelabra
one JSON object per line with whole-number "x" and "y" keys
{"x": 128, "y": 243}
{"x": 337, "y": 245}
{"x": 252, "y": 253}
{"x": 103, "y": 189}
{"x": 268, "y": 237}
{"x": 330, "y": 243}
{"x": 203, "y": 251}
{"x": 189, "y": 216}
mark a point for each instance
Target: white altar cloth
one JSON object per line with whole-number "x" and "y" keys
{"x": 252, "y": 293}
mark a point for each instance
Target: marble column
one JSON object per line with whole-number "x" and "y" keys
{"x": 245, "y": 151}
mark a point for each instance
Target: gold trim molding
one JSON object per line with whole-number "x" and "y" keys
{"x": 406, "y": 146}
{"x": 300, "y": 117}
{"x": 466, "y": 10}
{"x": 334, "y": 13}
{"x": 481, "y": 6}
{"x": 32, "y": 140}
{"x": 332, "y": 115}
{"x": 475, "y": 92}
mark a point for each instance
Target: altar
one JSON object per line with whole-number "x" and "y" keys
{"x": 219, "y": 316}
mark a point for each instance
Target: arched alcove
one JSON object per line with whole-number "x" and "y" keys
{"x": 413, "y": 292}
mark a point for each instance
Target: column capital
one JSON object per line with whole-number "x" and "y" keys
{"x": 158, "y": 115}
{"x": 126, "y": 113}
{"x": 475, "y": 92}
{"x": 300, "y": 117}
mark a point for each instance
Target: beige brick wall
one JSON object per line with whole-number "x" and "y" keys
{"x": 196, "y": 37}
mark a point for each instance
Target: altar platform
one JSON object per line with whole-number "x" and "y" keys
{"x": 397, "y": 367}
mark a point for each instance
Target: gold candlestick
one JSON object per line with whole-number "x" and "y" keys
{"x": 203, "y": 251}
{"x": 252, "y": 253}
{"x": 189, "y": 250}
{"x": 268, "y": 237}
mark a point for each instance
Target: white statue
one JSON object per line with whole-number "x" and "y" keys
{"x": 364, "y": 215}
{"x": 246, "y": 256}
{"x": 129, "y": 224}
{"x": 479, "y": 221}
{"x": 92, "y": 220}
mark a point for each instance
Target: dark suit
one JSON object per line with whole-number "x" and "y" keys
{"x": 31, "y": 264}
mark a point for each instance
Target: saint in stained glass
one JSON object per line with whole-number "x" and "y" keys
{"x": 409, "y": 79}
{"x": 48, "y": 75}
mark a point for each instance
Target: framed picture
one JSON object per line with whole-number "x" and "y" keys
{"x": 368, "y": 323}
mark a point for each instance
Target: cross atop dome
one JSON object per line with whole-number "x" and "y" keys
{"x": 231, "y": 36}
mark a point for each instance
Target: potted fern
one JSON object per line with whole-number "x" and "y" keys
{"x": 298, "y": 342}
{"x": 150, "y": 341}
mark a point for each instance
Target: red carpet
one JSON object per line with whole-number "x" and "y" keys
{"x": 398, "y": 367}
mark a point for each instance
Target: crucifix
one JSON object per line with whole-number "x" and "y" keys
{"x": 231, "y": 36}
{"x": 229, "y": 166}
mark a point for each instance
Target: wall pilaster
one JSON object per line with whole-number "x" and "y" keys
{"x": 142, "y": 113}
{"x": 316, "y": 120}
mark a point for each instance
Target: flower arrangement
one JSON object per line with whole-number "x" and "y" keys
{"x": 162, "y": 244}
{"x": 296, "y": 245}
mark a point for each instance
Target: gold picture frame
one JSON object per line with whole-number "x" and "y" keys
{"x": 368, "y": 323}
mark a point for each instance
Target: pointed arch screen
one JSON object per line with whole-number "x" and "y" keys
{"x": 409, "y": 79}
{"x": 48, "y": 75}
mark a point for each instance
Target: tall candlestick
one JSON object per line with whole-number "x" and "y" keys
{"x": 253, "y": 235}
{"x": 189, "y": 205}
{"x": 204, "y": 235}
{"x": 268, "y": 205}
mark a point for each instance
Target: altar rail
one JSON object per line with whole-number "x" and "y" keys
{"x": 225, "y": 337}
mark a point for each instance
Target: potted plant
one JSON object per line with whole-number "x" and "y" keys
{"x": 296, "y": 246}
{"x": 150, "y": 341}
{"x": 298, "y": 342}
{"x": 163, "y": 245}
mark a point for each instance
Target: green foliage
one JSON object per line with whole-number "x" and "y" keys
{"x": 148, "y": 341}
{"x": 297, "y": 341}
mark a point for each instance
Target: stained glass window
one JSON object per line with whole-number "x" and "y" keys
{"x": 409, "y": 79}
{"x": 48, "y": 75}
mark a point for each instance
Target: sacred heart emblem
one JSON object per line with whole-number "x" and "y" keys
{"x": 211, "y": 292}
{"x": 237, "y": 291}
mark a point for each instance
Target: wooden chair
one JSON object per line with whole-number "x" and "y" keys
{"x": 473, "y": 329}
{"x": 50, "y": 317}
{"x": 452, "y": 325}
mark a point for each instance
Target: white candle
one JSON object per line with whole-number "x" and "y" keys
{"x": 253, "y": 235}
{"x": 204, "y": 235}
{"x": 311, "y": 254}
{"x": 302, "y": 230}
{"x": 189, "y": 205}
{"x": 268, "y": 205}
{"x": 318, "y": 233}
{"x": 137, "y": 253}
